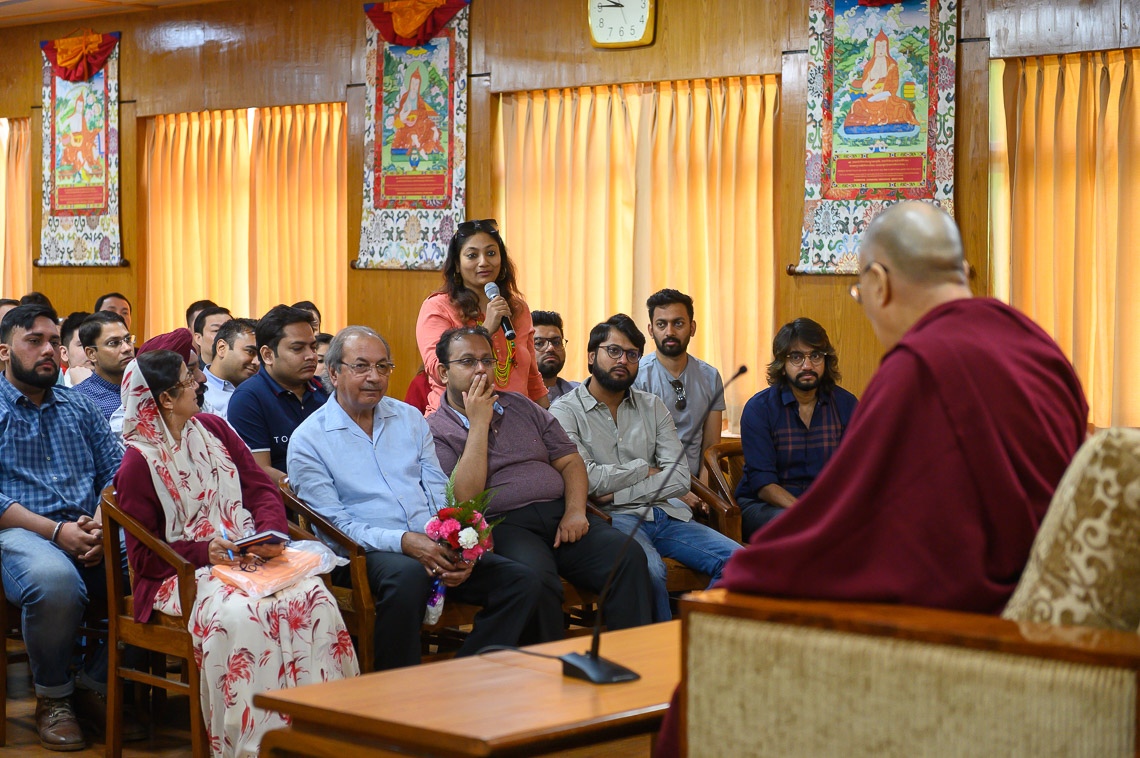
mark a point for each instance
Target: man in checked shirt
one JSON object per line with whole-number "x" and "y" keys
{"x": 789, "y": 430}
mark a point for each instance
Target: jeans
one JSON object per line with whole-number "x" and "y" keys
{"x": 755, "y": 514}
{"x": 689, "y": 542}
{"x": 52, "y": 591}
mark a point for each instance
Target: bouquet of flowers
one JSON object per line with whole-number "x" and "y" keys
{"x": 463, "y": 528}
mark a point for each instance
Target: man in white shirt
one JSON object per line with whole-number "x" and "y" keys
{"x": 206, "y": 326}
{"x": 235, "y": 360}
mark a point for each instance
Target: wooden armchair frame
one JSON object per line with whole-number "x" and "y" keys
{"x": 162, "y": 634}
{"x": 725, "y": 462}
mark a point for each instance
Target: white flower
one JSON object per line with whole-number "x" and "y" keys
{"x": 468, "y": 538}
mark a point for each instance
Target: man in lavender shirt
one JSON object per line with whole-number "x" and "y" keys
{"x": 504, "y": 442}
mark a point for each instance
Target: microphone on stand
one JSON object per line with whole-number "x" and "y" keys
{"x": 590, "y": 665}
{"x": 491, "y": 290}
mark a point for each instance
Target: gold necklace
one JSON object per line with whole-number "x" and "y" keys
{"x": 503, "y": 368}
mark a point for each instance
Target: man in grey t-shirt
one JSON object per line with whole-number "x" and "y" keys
{"x": 691, "y": 389}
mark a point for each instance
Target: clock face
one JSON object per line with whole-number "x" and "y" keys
{"x": 621, "y": 23}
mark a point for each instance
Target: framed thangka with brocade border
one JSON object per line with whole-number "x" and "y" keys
{"x": 880, "y": 122}
{"x": 415, "y": 148}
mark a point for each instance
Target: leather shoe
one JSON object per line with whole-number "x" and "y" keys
{"x": 57, "y": 725}
{"x": 91, "y": 709}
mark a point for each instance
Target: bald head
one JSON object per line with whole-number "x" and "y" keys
{"x": 917, "y": 241}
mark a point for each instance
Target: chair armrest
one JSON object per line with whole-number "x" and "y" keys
{"x": 114, "y": 519}
{"x": 723, "y": 515}
{"x": 316, "y": 521}
{"x": 712, "y": 457}
{"x": 591, "y": 507}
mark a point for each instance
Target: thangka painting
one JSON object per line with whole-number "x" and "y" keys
{"x": 415, "y": 147}
{"x": 81, "y": 152}
{"x": 880, "y": 122}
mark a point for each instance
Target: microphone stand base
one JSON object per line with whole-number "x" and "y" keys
{"x": 596, "y": 670}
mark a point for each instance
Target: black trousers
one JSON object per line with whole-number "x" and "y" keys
{"x": 507, "y": 592}
{"x": 526, "y": 535}
{"x": 755, "y": 514}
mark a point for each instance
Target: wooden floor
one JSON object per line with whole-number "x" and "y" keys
{"x": 171, "y": 737}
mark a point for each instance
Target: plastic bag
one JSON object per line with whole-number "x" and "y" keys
{"x": 435, "y": 602}
{"x": 300, "y": 560}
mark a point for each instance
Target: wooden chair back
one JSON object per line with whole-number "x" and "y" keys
{"x": 725, "y": 462}
{"x": 162, "y": 635}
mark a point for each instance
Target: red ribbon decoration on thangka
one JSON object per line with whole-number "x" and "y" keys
{"x": 412, "y": 22}
{"x": 77, "y": 59}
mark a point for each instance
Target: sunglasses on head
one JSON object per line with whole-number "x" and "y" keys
{"x": 467, "y": 228}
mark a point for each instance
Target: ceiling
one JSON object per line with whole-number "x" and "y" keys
{"x": 23, "y": 12}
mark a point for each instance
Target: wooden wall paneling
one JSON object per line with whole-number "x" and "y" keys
{"x": 971, "y": 19}
{"x": 1042, "y": 27}
{"x": 821, "y": 298}
{"x": 971, "y": 167}
{"x": 20, "y": 68}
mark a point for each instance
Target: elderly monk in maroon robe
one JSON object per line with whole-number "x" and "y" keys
{"x": 944, "y": 475}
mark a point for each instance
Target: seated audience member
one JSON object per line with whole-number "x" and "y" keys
{"x": 206, "y": 326}
{"x": 194, "y": 309}
{"x": 634, "y": 458}
{"x": 418, "y": 389}
{"x": 367, "y": 463}
{"x": 110, "y": 348}
{"x": 51, "y": 547}
{"x": 267, "y": 407}
{"x": 235, "y": 360}
{"x": 6, "y": 304}
{"x": 506, "y": 443}
{"x": 76, "y": 366}
{"x": 691, "y": 389}
{"x": 191, "y": 481}
{"x": 945, "y": 473}
{"x": 36, "y": 298}
{"x": 180, "y": 341}
{"x": 324, "y": 339}
{"x": 115, "y": 303}
{"x": 308, "y": 305}
{"x": 550, "y": 352}
{"x": 789, "y": 430}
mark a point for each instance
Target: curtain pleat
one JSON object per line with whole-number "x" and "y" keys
{"x": 16, "y": 219}
{"x": 1066, "y": 137}
{"x": 608, "y": 194}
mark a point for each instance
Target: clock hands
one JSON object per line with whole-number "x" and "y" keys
{"x": 611, "y": 4}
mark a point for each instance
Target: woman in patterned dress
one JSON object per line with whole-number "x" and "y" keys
{"x": 476, "y": 257}
{"x": 190, "y": 479}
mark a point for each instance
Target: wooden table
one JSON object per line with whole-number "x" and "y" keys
{"x": 502, "y": 703}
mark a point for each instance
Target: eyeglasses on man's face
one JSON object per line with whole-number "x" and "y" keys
{"x": 679, "y": 390}
{"x": 541, "y": 343}
{"x": 488, "y": 225}
{"x": 616, "y": 351}
{"x": 469, "y": 363}
{"x": 383, "y": 368}
{"x": 796, "y": 358}
{"x": 116, "y": 342}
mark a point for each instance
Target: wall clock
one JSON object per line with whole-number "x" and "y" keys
{"x": 621, "y": 23}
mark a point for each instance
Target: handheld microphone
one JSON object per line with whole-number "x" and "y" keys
{"x": 492, "y": 291}
{"x": 591, "y": 666}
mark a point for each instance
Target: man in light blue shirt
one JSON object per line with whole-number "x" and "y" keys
{"x": 235, "y": 360}
{"x": 367, "y": 463}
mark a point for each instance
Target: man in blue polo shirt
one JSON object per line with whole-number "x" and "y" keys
{"x": 110, "y": 348}
{"x": 267, "y": 407}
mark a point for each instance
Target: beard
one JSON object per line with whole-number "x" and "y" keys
{"x": 550, "y": 369}
{"x": 610, "y": 383}
{"x": 806, "y": 380}
{"x": 32, "y": 377}
{"x": 673, "y": 349}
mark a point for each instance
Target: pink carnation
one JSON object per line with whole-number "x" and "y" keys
{"x": 432, "y": 528}
{"x": 472, "y": 553}
{"x": 448, "y": 528}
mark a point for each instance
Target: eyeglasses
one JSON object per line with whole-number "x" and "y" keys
{"x": 467, "y": 228}
{"x": 615, "y": 352}
{"x": 855, "y": 291}
{"x": 679, "y": 388}
{"x": 188, "y": 383}
{"x": 383, "y": 368}
{"x": 815, "y": 356}
{"x": 541, "y": 343}
{"x": 116, "y": 343}
{"x": 487, "y": 363}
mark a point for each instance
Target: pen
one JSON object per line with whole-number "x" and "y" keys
{"x": 229, "y": 553}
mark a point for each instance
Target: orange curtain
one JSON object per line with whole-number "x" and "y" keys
{"x": 607, "y": 194}
{"x": 300, "y": 210}
{"x": 15, "y": 203}
{"x": 1069, "y": 212}
{"x": 196, "y": 185}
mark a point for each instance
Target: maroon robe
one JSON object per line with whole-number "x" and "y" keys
{"x": 942, "y": 479}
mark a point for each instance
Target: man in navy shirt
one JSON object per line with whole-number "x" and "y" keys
{"x": 267, "y": 407}
{"x": 110, "y": 348}
{"x": 789, "y": 430}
